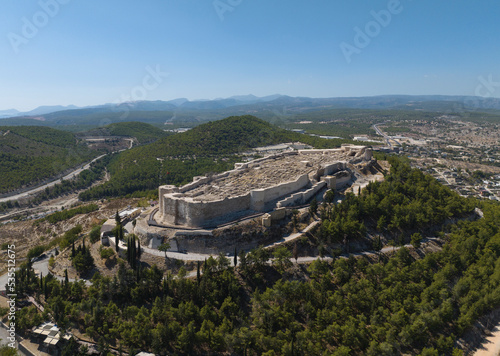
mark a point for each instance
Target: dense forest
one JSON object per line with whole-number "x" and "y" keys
{"x": 407, "y": 201}
{"x": 208, "y": 148}
{"x": 84, "y": 180}
{"x": 29, "y": 155}
{"x": 407, "y": 303}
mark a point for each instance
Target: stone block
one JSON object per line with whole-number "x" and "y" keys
{"x": 267, "y": 220}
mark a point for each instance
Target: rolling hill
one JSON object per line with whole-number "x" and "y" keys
{"x": 211, "y": 147}
{"x": 30, "y": 154}
{"x": 144, "y": 133}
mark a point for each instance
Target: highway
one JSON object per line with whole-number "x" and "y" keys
{"x": 70, "y": 175}
{"x": 386, "y": 138}
{"x": 42, "y": 266}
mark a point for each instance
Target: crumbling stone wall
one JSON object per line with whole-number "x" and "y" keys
{"x": 207, "y": 201}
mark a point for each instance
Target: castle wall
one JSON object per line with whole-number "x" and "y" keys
{"x": 259, "y": 197}
{"x": 292, "y": 200}
{"x": 177, "y": 209}
{"x": 301, "y": 197}
{"x": 310, "y": 193}
{"x": 180, "y": 210}
{"x": 177, "y": 206}
{"x": 195, "y": 184}
{"x": 168, "y": 211}
{"x": 335, "y": 167}
{"x": 198, "y": 213}
{"x": 331, "y": 182}
{"x": 322, "y": 151}
{"x": 342, "y": 179}
{"x": 162, "y": 190}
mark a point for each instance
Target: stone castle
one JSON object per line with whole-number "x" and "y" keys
{"x": 267, "y": 184}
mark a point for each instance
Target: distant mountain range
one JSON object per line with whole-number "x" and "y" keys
{"x": 181, "y": 103}
{"x": 41, "y": 110}
{"x": 371, "y": 102}
{"x": 270, "y": 107}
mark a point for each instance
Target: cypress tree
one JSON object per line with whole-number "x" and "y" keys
{"x": 134, "y": 252}
{"x": 138, "y": 249}
{"x": 128, "y": 249}
{"x": 66, "y": 279}
{"x": 198, "y": 274}
{"x": 73, "y": 252}
{"x": 235, "y": 257}
{"x": 132, "y": 248}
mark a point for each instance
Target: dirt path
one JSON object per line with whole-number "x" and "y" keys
{"x": 491, "y": 346}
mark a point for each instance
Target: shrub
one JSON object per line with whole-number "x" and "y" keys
{"x": 35, "y": 251}
{"x": 107, "y": 253}
{"x": 95, "y": 234}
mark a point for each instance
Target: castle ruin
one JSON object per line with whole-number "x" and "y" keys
{"x": 263, "y": 185}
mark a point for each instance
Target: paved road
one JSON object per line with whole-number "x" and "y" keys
{"x": 41, "y": 266}
{"x": 442, "y": 176}
{"x": 51, "y": 184}
{"x": 4, "y": 334}
{"x": 381, "y": 133}
{"x": 386, "y": 138}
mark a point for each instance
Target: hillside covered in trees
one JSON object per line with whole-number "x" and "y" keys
{"x": 409, "y": 303}
{"x": 143, "y": 132}
{"x": 407, "y": 201}
{"x": 31, "y": 154}
{"x": 176, "y": 159}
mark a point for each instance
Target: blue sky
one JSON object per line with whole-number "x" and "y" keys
{"x": 88, "y": 52}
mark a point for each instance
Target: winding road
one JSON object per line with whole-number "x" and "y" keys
{"x": 68, "y": 176}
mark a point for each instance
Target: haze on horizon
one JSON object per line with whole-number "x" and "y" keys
{"x": 63, "y": 52}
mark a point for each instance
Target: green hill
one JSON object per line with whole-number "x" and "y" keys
{"x": 31, "y": 154}
{"x": 143, "y": 132}
{"x": 432, "y": 298}
{"x": 211, "y": 147}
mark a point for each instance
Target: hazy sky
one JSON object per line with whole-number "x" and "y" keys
{"x": 87, "y": 52}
